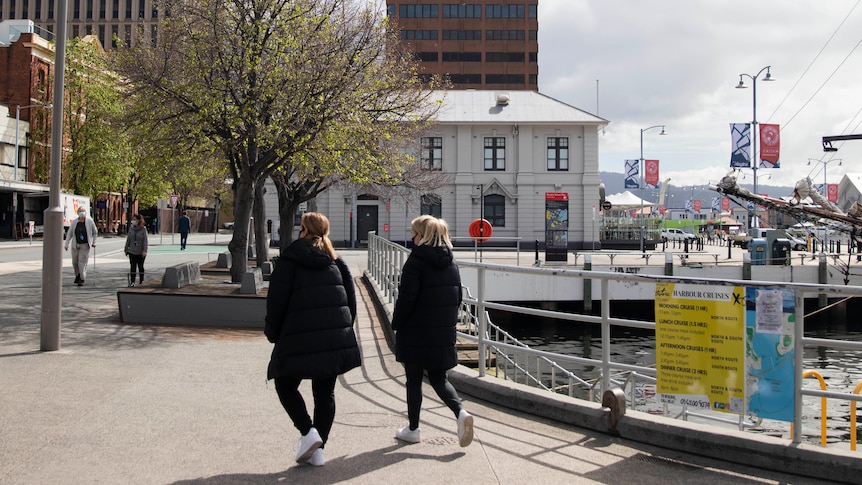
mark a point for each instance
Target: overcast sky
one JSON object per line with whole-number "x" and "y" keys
{"x": 677, "y": 62}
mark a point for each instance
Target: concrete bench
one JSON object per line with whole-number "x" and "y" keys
{"x": 252, "y": 281}
{"x": 182, "y": 274}
{"x": 224, "y": 260}
{"x": 266, "y": 269}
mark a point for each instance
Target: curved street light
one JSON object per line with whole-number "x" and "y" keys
{"x": 742, "y": 85}
{"x": 643, "y": 229}
{"x": 825, "y": 163}
{"x": 18, "y": 109}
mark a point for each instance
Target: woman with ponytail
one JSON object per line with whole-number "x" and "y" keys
{"x": 310, "y": 311}
{"x": 424, "y": 319}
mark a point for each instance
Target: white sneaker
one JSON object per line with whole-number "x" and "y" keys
{"x": 316, "y": 458}
{"x": 307, "y": 445}
{"x": 465, "y": 428}
{"x": 408, "y": 435}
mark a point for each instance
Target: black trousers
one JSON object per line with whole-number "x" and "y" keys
{"x": 136, "y": 261}
{"x": 438, "y": 381}
{"x": 291, "y": 399}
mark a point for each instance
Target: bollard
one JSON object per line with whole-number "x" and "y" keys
{"x": 746, "y": 266}
{"x": 685, "y": 245}
{"x": 822, "y": 301}
{"x": 537, "y": 252}
{"x": 668, "y": 264}
{"x": 729, "y": 249}
{"x": 588, "y": 284}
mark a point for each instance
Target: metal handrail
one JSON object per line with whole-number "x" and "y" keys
{"x": 383, "y": 271}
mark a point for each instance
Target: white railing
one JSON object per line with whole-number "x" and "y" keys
{"x": 385, "y": 260}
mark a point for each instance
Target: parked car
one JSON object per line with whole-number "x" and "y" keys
{"x": 796, "y": 243}
{"x": 674, "y": 234}
{"x": 228, "y": 225}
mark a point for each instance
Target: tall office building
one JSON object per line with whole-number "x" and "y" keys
{"x": 105, "y": 19}
{"x": 483, "y": 44}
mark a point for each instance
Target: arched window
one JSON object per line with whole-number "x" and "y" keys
{"x": 495, "y": 210}
{"x": 431, "y": 205}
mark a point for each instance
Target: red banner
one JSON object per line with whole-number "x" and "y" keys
{"x": 697, "y": 206}
{"x": 651, "y": 173}
{"x": 832, "y": 192}
{"x": 725, "y": 204}
{"x": 662, "y": 210}
{"x": 769, "y": 146}
{"x": 556, "y": 196}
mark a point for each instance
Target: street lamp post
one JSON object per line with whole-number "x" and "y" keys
{"x": 16, "y": 158}
{"x": 742, "y": 85}
{"x": 52, "y": 244}
{"x": 825, "y": 163}
{"x": 643, "y": 229}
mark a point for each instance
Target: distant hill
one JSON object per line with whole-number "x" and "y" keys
{"x": 676, "y": 196}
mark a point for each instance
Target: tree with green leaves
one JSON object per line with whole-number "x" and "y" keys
{"x": 97, "y": 159}
{"x": 267, "y": 82}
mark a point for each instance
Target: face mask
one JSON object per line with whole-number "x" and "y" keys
{"x": 134, "y": 223}
{"x": 82, "y": 215}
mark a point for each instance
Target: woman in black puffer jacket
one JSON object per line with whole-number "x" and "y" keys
{"x": 424, "y": 319}
{"x": 310, "y": 309}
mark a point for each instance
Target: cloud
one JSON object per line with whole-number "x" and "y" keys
{"x": 677, "y": 62}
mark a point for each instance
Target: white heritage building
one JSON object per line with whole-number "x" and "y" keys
{"x": 502, "y": 151}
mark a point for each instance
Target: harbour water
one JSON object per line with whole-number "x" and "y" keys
{"x": 841, "y": 370}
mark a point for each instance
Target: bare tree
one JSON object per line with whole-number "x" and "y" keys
{"x": 262, "y": 80}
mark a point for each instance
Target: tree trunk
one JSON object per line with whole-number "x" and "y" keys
{"x": 287, "y": 214}
{"x": 261, "y": 245}
{"x": 238, "y": 246}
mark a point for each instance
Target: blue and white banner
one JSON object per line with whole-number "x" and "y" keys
{"x": 632, "y": 174}
{"x": 716, "y": 204}
{"x": 689, "y": 206}
{"x": 740, "y": 134}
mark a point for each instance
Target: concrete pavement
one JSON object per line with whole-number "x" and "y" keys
{"x": 149, "y": 404}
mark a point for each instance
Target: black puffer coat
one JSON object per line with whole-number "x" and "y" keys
{"x": 310, "y": 310}
{"x": 427, "y": 309}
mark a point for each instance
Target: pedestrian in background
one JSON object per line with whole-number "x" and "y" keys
{"x": 310, "y": 309}
{"x": 136, "y": 248}
{"x": 185, "y": 226}
{"x": 83, "y": 232}
{"x": 424, "y": 318}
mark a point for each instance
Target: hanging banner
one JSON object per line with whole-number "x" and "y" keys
{"x": 632, "y": 174}
{"x": 662, "y": 209}
{"x": 700, "y": 346}
{"x": 651, "y": 173}
{"x": 716, "y": 204}
{"x": 740, "y": 138}
{"x": 689, "y": 206}
{"x": 556, "y": 226}
{"x": 769, "y": 146}
{"x": 770, "y": 320}
{"x": 832, "y": 192}
{"x": 725, "y": 204}
{"x": 697, "y": 205}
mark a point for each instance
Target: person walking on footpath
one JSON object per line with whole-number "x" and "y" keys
{"x": 424, "y": 319}
{"x": 136, "y": 248}
{"x": 83, "y": 232}
{"x": 185, "y": 227}
{"x": 310, "y": 309}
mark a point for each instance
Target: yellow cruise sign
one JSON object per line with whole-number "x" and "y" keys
{"x": 700, "y": 346}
